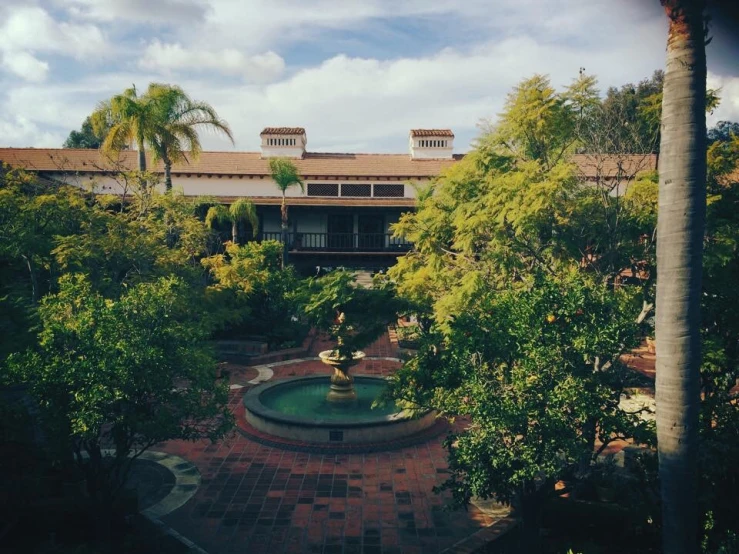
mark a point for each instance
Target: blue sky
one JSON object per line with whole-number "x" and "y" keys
{"x": 356, "y": 74}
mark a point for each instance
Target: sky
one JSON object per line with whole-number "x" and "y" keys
{"x": 357, "y": 74}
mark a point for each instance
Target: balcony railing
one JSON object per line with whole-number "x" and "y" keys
{"x": 340, "y": 242}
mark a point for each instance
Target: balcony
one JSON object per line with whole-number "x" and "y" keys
{"x": 375, "y": 243}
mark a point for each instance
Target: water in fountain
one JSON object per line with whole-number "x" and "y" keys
{"x": 310, "y": 398}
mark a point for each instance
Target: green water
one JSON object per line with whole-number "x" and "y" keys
{"x": 309, "y": 401}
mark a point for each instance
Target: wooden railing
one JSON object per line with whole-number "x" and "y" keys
{"x": 340, "y": 242}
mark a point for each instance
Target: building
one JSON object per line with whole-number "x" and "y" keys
{"x": 344, "y": 214}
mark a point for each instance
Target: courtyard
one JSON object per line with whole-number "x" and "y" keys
{"x": 261, "y": 494}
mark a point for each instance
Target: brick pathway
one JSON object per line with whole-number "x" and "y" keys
{"x": 256, "y": 498}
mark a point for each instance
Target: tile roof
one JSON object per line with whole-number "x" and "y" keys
{"x": 432, "y": 133}
{"x": 282, "y": 131}
{"x": 313, "y": 165}
{"x": 609, "y": 166}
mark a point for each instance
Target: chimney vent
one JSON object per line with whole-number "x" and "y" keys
{"x": 285, "y": 142}
{"x": 431, "y": 144}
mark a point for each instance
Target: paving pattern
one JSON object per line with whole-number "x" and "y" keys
{"x": 258, "y": 498}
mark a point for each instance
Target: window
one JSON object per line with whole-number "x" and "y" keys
{"x": 356, "y": 190}
{"x": 323, "y": 189}
{"x": 389, "y": 191}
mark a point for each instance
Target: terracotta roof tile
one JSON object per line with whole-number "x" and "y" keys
{"x": 604, "y": 166}
{"x": 282, "y": 131}
{"x": 432, "y": 133}
{"x": 312, "y": 166}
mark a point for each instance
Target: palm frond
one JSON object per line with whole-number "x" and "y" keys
{"x": 244, "y": 210}
{"x": 217, "y": 214}
{"x": 285, "y": 174}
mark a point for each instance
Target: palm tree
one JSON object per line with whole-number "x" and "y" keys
{"x": 682, "y": 202}
{"x": 124, "y": 120}
{"x": 176, "y": 118}
{"x": 285, "y": 175}
{"x": 241, "y": 210}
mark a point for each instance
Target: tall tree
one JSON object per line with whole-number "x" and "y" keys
{"x": 285, "y": 175}
{"x": 240, "y": 211}
{"x": 680, "y": 227}
{"x": 125, "y": 119}
{"x": 176, "y": 120}
{"x": 86, "y": 137}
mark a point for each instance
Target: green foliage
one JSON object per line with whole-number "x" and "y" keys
{"x": 176, "y": 117}
{"x": 536, "y": 369}
{"x": 520, "y": 263}
{"x": 719, "y": 452}
{"x": 124, "y": 120}
{"x": 241, "y": 211}
{"x": 352, "y": 315}
{"x": 164, "y": 119}
{"x": 33, "y": 217}
{"x": 536, "y": 124}
{"x": 116, "y": 250}
{"x": 86, "y": 137}
{"x": 128, "y": 373}
{"x": 260, "y": 297}
{"x": 285, "y": 174}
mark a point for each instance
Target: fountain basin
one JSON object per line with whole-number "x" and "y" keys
{"x": 297, "y": 409}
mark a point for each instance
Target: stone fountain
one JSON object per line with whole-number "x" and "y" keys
{"x": 344, "y": 408}
{"x": 341, "y": 388}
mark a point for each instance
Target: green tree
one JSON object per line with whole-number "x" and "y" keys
{"x": 285, "y": 175}
{"x": 718, "y": 455}
{"x": 176, "y": 120}
{"x": 262, "y": 297}
{"x": 241, "y": 211}
{"x": 366, "y": 311}
{"x": 680, "y": 228}
{"x": 125, "y": 119}
{"x": 124, "y": 374}
{"x": 537, "y": 123}
{"x": 518, "y": 261}
{"x": 535, "y": 368}
{"x": 164, "y": 119}
{"x": 86, "y": 137}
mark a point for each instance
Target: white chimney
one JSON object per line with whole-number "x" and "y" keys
{"x": 431, "y": 144}
{"x": 283, "y": 142}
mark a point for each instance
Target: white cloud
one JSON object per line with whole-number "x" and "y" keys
{"x": 145, "y": 11}
{"x": 25, "y": 66}
{"x": 27, "y": 133}
{"x": 371, "y": 104}
{"x": 228, "y": 61}
{"x": 347, "y": 103}
{"x": 728, "y": 109}
{"x": 29, "y": 30}
{"x": 33, "y": 29}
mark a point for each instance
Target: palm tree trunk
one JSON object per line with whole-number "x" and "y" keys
{"x": 142, "y": 153}
{"x": 235, "y": 231}
{"x": 283, "y": 215}
{"x": 681, "y": 219}
{"x": 167, "y": 175}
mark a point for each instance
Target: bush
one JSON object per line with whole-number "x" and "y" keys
{"x": 254, "y": 296}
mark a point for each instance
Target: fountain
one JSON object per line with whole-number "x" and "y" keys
{"x": 345, "y": 407}
{"x": 342, "y": 384}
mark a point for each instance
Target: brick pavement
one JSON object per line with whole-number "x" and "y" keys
{"x": 256, "y": 498}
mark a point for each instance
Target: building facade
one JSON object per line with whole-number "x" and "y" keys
{"x": 344, "y": 214}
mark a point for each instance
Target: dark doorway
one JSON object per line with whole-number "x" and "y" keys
{"x": 341, "y": 231}
{"x": 371, "y": 232}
